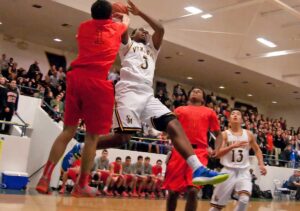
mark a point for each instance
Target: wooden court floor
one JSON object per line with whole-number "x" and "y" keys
{"x": 11, "y": 202}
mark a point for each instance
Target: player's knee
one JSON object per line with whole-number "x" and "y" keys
{"x": 243, "y": 198}
{"x": 243, "y": 202}
{"x": 192, "y": 192}
{"x": 173, "y": 195}
{"x": 161, "y": 123}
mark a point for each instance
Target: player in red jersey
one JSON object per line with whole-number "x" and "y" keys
{"x": 116, "y": 172}
{"x": 89, "y": 95}
{"x": 157, "y": 178}
{"x": 196, "y": 120}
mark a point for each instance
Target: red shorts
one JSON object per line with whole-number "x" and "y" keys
{"x": 73, "y": 173}
{"x": 128, "y": 178}
{"x": 178, "y": 174}
{"x": 104, "y": 175}
{"x": 90, "y": 98}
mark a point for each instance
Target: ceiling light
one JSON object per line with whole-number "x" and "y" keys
{"x": 269, "y": 83}
{"x": 295, "y": 92}
{"x": 245, "y": 82}
{"x": 221, "y": 87}
{"x": 206, "y": 16}
{"x": 0, "y": 23}
{"x": 189, "y": 78}
{"x": 276, "y": 53}
{"x": 37, "y": 6}
{"x": 57, "y": 40}
{"x": 274, "y": 102}
{"x": 201, "y": 60}
{"x": 237, "y": 72}
{"x": 168, "y": 57}
{"x": 266, "y": 42}
{"x": 193, "y": 10}
{"x": 249, "y": 95}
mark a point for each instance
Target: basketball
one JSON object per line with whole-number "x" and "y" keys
{"x": 119, "y": 7}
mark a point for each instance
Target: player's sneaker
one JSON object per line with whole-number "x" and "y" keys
{"x": 62, "y": 190}
{"x": 86, "y": 191}
{"x": 43, "y": 186}
{"x": 135, "y": 195}
{"x": 205, "y": 176}
{"x": 124, "y": 194}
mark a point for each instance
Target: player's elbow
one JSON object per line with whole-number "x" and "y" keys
{"x": 161, "y": 29}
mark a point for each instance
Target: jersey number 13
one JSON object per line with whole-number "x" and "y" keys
{"x": 237, "y": 156}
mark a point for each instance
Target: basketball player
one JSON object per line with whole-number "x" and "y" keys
{"x": 129, "y": 178}
{"x": 196, "y": 120}
{"x": 101, "y": 170}
{"x": 135, "y": 102}
{"x": 157, "y": 178}
{"x": 70, "y": 161}
{"x": 117, "y": 178}
{"x": 234, "y": 154}
{"x": 89, "y": 95}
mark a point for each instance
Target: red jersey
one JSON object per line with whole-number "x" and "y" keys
{"x": 156, "y": 170}
{"x": 196, "y": 122}
{"x": 98, "y": 44}
{"x": 270, "y": 142}
{"x": 116, "y": 168}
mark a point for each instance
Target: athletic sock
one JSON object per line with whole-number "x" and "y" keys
{"x": 48, "y": 170}
{"x": 83, "y": 179}
{"x": 194, "y": 162}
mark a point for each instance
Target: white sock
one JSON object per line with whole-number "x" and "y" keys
{"x": 194, "y": 162}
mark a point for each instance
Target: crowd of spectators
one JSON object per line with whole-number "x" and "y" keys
{"x": 280, "y": 144}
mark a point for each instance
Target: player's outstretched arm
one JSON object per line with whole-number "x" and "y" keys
{"x": 258, "y": 153}
{"x": 158, "y": 28}
{"x": 125, "y": 21}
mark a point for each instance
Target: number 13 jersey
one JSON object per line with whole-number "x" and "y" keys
{"x": 237, "y": 157}
{"x": 138, "y": 61}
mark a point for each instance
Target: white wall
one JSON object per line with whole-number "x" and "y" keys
{"x": 33, "y": 52}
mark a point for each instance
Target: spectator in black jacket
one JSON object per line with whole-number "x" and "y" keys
{"x": 3, "y": 98}
{"x": 12, "y": 103}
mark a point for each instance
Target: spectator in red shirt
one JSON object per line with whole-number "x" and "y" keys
{"x": 89, "y": 95}
{"x": 157, "y": 178}
{"x": 270, "y": 146}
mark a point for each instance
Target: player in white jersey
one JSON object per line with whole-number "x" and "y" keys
{"x": 135, "y": 101}
{"x": 234, "y": 154}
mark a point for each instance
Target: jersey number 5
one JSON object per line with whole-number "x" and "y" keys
{"x": 240, "y": 156}
{"x": 145, "y": 64}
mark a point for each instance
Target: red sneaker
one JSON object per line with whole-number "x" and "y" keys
{"x": 43, "y": 186}
{"x": 124, "y": 194}
{"x": 107, "y": 193}
{"x": 62, "y": 190}
{"x": 141, "y": 194}
{"x": 135, "y": 194}
{"x": 86, "y": 191}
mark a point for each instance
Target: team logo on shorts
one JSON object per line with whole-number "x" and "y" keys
{"x": 216, "y": 198}
{"x": 129, "y": 119}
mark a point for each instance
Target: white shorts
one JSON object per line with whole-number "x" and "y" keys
{"x": 135, "y": 104}
{"x": 238, "y": 181}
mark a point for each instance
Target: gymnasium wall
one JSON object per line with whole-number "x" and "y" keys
{"x": 290, "y": 113}
{"x": 30, "y": 52}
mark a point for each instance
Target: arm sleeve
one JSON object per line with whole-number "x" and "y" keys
{"x": 214, "y": 122}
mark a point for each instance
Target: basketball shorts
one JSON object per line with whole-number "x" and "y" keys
{"x": 128, "y": 178}
{"x": 239, "y": 181}
{"x": 104, "y": 175}
{"x": 90, "y": 98}
{"x": 135, "y": 104}
{"x": 178, "y": 175}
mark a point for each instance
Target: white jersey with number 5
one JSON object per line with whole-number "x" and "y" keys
{"x": 138, "y": 61}
{"x": 238, "y": 157}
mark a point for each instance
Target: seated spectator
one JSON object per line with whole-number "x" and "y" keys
{"x": 294, "y": 183}
{"x": 58, "y": 104}
{"x": 138, "y": 170}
